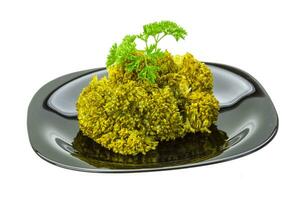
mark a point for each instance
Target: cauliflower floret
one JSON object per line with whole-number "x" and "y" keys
{"x": 128, "y": 118}
{"x": 202, "y": 110}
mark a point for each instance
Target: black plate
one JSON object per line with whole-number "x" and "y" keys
{"x": 247, "y": 122}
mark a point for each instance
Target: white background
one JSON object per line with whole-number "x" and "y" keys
{"x": 42, "y": 40}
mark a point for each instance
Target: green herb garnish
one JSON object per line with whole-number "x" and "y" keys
{"x": 144, "y": 62}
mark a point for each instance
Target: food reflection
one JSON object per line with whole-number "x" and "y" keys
{"x": 190, "y": 149}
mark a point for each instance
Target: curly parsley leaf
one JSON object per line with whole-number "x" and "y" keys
{"x": 144, "y": 62}
{"x": 133, "y": 63}
{"x": 158, "y": 30}
{"x": 149, "y": 73}
{"x": 111, "y": 58}
{"x": 125, "y": 49}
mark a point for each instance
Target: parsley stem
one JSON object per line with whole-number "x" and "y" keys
{"x": 146, "y": 41}
{"x": 161, "y": 37}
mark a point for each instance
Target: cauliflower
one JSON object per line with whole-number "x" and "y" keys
{"x": 130, "y": 115}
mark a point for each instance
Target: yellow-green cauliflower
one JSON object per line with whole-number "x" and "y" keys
{"x": 129, "y": 115}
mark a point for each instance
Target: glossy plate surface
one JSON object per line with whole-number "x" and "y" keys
{"x": 247, "y": 122}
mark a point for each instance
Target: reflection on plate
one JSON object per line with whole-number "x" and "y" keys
{"x": 193, "y": 148}
{"x": 247, "y": 122}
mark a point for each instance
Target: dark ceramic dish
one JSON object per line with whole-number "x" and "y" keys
{"x": 247, "y": 122}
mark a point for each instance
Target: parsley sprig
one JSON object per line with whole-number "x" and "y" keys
{"x": 144, "y": 62}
